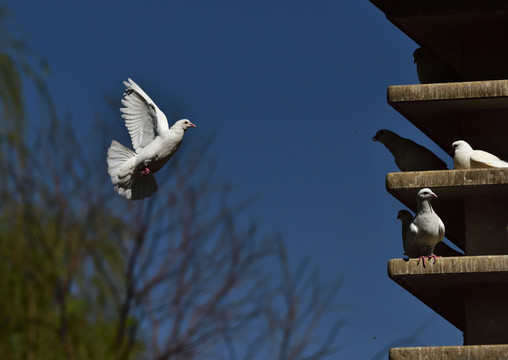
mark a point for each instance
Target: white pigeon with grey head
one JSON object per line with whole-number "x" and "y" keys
{"x": 464, "y": 157}
{"x": 441, "y": 249}
{"x": 426, "y": 230}
{"x": 153, "y": 140}
{"x": 409, "y": 156}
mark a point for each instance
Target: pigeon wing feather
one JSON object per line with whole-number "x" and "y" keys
{"x": 412, "y": 231}
{"x": 422, "y": 158}
{"x": 482, "y": 159}
{"x": 441, "y": 230}
{"x": 142, "y": 117}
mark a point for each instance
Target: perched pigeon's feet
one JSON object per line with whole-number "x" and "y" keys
{"x": 422, "y": 258}
{"x": 433, "y": 256}
{"x": 145, "y": 171}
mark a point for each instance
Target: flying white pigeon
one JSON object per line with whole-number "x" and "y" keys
{"x": 153, "y": 140}
{"x": 441, "y": 249}
{"x": 464, "y": 157}
{"x": 426, "y": 230}
{"x": 432, "y": 69}
{"x": 409, "y": 156}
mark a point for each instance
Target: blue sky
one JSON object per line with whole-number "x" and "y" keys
{"x": 293, "y": 93}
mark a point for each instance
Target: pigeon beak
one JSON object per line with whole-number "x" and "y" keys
{"x": 192, "y": 125}
{"x": 374, "y": 138}
{"x": 434, "y": 195}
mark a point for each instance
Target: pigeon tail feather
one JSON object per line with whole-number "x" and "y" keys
{"x": 125, "y": 182}
{"x": 118, "y": 155}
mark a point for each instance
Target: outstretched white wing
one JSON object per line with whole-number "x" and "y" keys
{"x": 142, "y": 117}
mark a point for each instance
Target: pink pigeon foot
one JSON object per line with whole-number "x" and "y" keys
{"x": 422, "y": 258}
{"x": 433, "y": 256}
{"x": 145, "y": 171}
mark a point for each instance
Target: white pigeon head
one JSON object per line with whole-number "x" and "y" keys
{"x": 460, "y": 146}
{"x": 183, "y": 124}
{"x": 425, "y": 194}
{"x": 404, "y": 215}
{"x": 384, "y": 136}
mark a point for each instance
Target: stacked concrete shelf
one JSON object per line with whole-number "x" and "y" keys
{"x": 473, "y": 204}
{"x": 460, "y": 289}
{"x": 468, "y": 34}
{"x": 473, "y": 111}
{"x": 470, "y": 291}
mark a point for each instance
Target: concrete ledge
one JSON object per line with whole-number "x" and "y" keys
{"x": 441, "y": 286}
{"x": 471, "y": 352}
{"x": 473, "y": 182}
{"x": 464, "y": 269}
{"x": 493, "y": 93}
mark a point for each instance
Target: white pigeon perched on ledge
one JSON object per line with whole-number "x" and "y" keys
{"x": 426, "y": 230}
{"x": 153, "y": 140}
{"x": 464, "y": 157}
{"x": 441, "y": 249}
{"x": 409, "y": 156}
